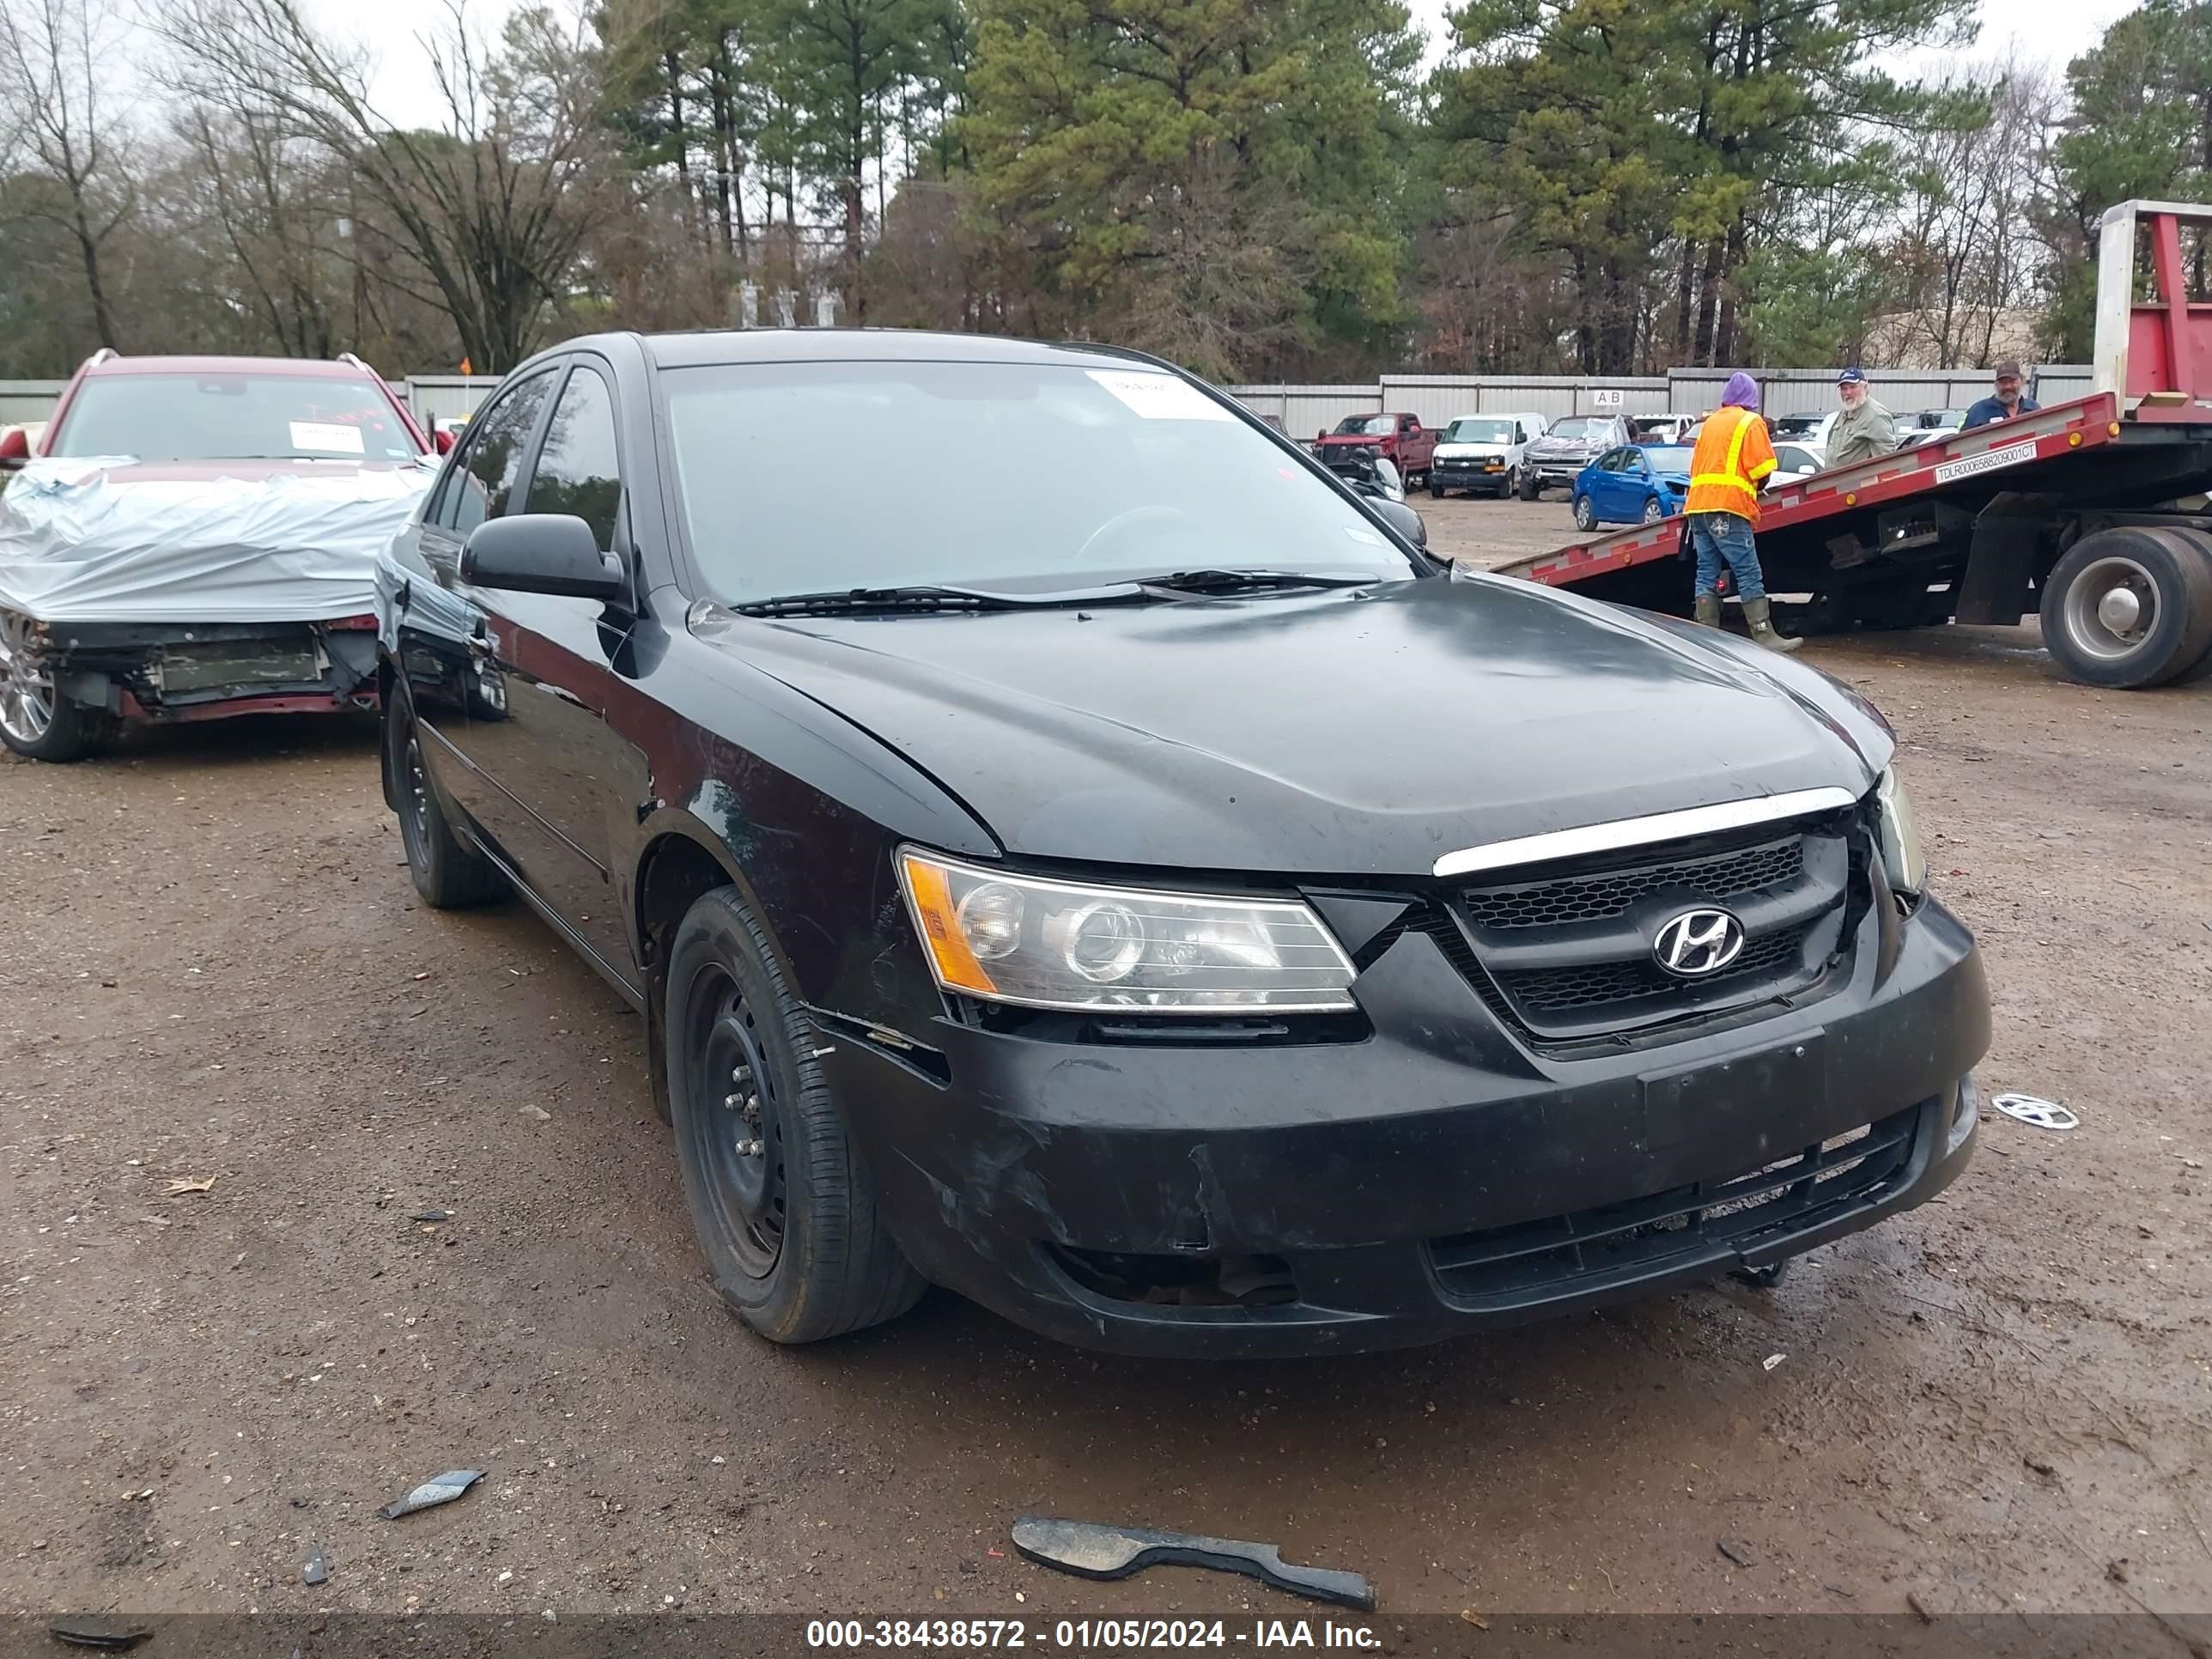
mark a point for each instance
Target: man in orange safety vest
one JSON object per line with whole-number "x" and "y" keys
{"x": 1734, "y": 458}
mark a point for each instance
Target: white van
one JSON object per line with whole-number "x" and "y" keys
{"x": 1482, "y": 454}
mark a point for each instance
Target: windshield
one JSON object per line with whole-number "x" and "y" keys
{"x": 1668, "y": 458}
{"x": 1014, "y": 476}
{"x": 1798, "y": 426}
{"x": 1367, "y": 426}
{"x": 1582, "y": 427}
{"x": 221, "y": 417}
{"x": 1478, "y": 432}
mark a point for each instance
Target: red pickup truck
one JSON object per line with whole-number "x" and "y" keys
{"x": 1400, "y": 437}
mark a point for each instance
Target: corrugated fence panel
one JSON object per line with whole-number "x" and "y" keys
{"x": 28, "y": 400}
{"x": 435, "y": 397}
{"x": 1437, "y": 398}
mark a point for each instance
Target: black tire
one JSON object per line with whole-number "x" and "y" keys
{"x": 1585, "y": 514}
{"x": 37, "y": 721}
{"x": 73, "y": 733}
{"x": 1511, "y": 487}
{"x": 2168, "y": 580}
{"x": 2202, "y": 668}
{"x": 1653, "y": 509}
{"x": 1531, "y": 487}
{"x": 448, "y": 873}
{"x": 1763, "y": 1279}
{"x": 1435, "y": 487}
{"x": 790, "y": 1228}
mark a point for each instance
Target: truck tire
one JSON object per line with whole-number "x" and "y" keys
{"x": 1532, "y": 487}
{"x": 2202, "y": 668}
{"x": 781, "y": 1201}
{"x": 2129, "y": 607}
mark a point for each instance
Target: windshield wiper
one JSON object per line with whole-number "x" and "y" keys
{"x": 1214, "y": 580}
{"x": 922, "y": 597}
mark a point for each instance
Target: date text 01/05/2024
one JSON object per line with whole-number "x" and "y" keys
{"x": 853, "y": 1635}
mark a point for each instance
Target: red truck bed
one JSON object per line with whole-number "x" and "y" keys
{"x": 2009, "y": 447}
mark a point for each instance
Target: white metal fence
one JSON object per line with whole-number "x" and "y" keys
{"x": 1436, "y": 399}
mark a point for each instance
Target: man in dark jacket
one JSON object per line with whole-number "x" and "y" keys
{"x": 2009, "y": 401}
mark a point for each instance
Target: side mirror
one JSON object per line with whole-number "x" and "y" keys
{"x": 14, "y": 448}
{"x": 541, "y": 553}
{"x": 443, "y": 440}
{"x": 1403, "y": 520}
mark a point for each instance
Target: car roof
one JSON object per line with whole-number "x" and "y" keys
{"x": 308, "y": 367}
{"x": 708, "y": 347}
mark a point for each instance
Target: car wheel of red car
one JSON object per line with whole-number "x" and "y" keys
{"x": 36, "y": 720}
{"x": 782, "y": 1204}
{"x": 448, "y": 874}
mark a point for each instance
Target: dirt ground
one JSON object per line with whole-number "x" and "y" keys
{"x": 213, "y": 968}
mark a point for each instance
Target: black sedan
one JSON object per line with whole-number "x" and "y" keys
{"x": 1041, "y": 870}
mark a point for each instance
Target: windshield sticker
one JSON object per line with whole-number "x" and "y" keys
{"x": 317, "y": 435}
{"x": 1160, "y": 397}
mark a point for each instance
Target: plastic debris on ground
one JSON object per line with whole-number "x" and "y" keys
{"x": 1092, "y": 1550}
{"x": 2036, "y": 1112}
{"x": 97, "y": 1630}
{"x": 437, "y": 1489}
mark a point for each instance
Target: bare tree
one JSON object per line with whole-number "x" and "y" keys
{"x": 492, "y": 209}
{"x": 53, "y": 54}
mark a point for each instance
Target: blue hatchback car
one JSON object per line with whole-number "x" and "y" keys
{"x": 1634, "y": 484}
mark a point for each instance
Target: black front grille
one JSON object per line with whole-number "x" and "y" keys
{"x": 1588, "y": 1247}
{"x": 1564, "y": 952}
{"x": 1602, "y": 896}
{"x": 1554, "y": 990}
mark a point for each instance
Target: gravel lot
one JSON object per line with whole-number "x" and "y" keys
{"x": 214, "y": 968}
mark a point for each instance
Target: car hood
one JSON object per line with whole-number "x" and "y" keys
{"x": 1351, "y": 731}
{"x": 1350, "y": 440}
{"x": 1566, "y": 446}
{"x": 1473, "y": 452}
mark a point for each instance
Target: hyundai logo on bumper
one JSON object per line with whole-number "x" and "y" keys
{"x": 1697, "y": 943}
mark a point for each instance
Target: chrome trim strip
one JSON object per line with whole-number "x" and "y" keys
{"x": 1636, "y": 832}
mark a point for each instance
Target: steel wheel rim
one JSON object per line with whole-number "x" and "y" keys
{"x": 26, "y": 688}
{"x": 418, "y": 794}
{"x": 2092, "y": 608}
{"x": 736, "y": 1104}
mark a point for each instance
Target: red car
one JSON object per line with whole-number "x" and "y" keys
{"x": 193, "y": 538}
{"x": 1400, "y": 438}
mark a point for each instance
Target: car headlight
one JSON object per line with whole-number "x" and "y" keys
{"x": 1901, "y": 857}
{"x": 1039, "y": 943}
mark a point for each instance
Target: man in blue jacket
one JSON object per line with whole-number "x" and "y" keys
{"x": 2009, "y": 401}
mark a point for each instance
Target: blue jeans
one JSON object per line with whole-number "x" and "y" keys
{"x": 1723, "y": 537}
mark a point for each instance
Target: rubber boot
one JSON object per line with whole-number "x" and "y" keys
{"x": 1709, "y": 610}
{"x": 1760, "y": 615}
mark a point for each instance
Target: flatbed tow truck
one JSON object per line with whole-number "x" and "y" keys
{"x": 2093, "y": 512}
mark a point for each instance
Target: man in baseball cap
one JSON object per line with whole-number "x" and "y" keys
{"x": 1863, "y": 428}
{"x": 2010, "y": 400}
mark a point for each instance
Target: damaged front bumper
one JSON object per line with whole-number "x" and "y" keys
{"x": 171, "y": 671}
{"x": 1431, "y": 1176}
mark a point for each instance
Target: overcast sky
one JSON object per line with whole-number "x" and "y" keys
{"x": 2048, "y": 31}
